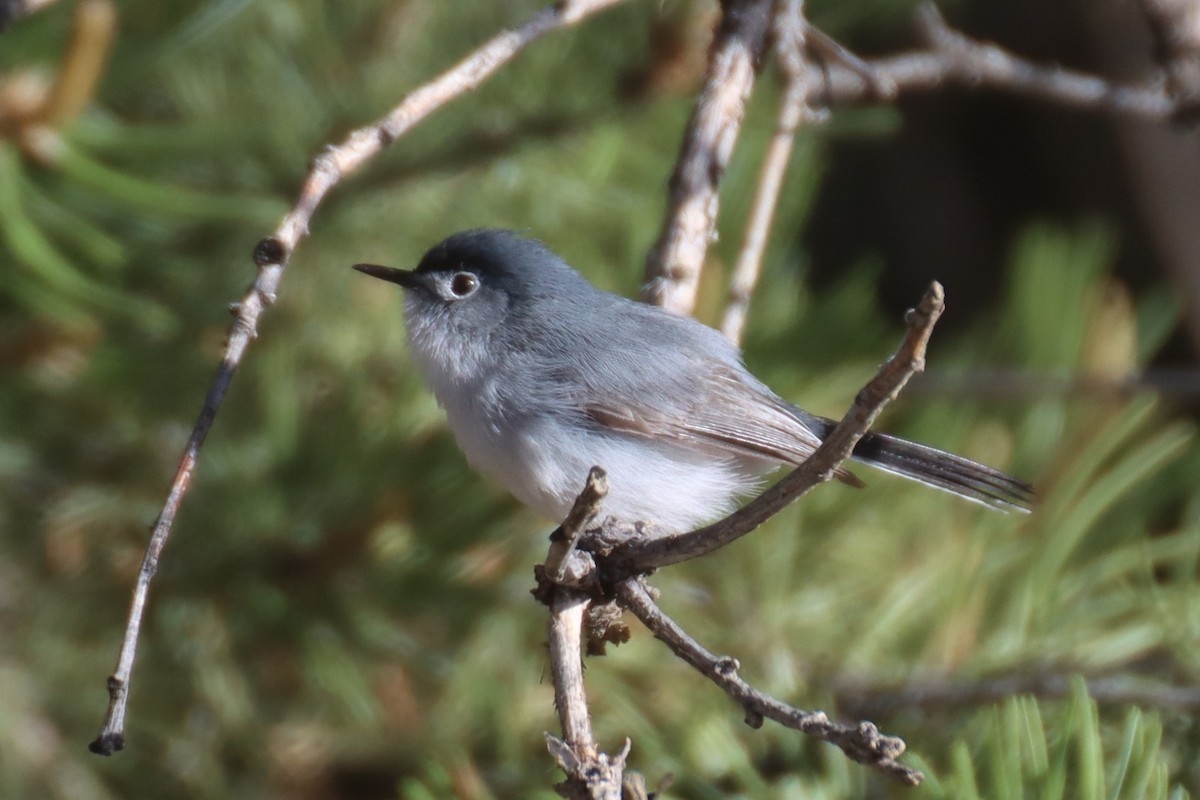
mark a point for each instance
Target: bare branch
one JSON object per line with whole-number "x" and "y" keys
{"x": 674, "y": 265}
{"x": 789, "y": 29}
{"x": 827, "y": 51}
{"x": 644, "y": 555}
{"x": 271, "y": 256}
{"x": 600, "y": 779}
{"x": 566, "y": 537}
{"x": 862, "y": 743}
{"x": 591, "y": 775}
{"x": 957, "y": 60}
{"x": 566, "y": 664}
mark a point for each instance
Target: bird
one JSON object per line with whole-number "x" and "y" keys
{"x": 542, "y": 375}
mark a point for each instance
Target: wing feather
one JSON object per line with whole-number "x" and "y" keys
{"x": 737, "y": 417}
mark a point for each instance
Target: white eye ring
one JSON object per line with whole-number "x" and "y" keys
{"x": 463, "y": 284}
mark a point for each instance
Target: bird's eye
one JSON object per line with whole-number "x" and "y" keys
{"x": 463, "y": 283}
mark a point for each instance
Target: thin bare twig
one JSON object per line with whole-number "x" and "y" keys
{"x": 826, "y": 51}
{"x": 600, "y": 779}
{"x": 862, "y": 743}
{"x": 564, "y": 540}
{"x": 674, "y": 264}
{"x": 566, "y": 664}
{"x": 271, "y": 256}
{"x": 789, "y": 29}
{"x": 591, "y": 775}
{"x": 643, "y": 555}
{"x": 955, "y": 59}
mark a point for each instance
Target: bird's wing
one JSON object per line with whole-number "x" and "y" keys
{"x": 737, "y": 416}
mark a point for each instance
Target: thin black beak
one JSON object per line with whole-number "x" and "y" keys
{"x": 404, "y": 277}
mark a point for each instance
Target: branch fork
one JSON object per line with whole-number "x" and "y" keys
{"x": 583, "y": 568}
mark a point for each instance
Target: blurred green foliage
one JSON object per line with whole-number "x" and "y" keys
{"x": 343, "y": 609}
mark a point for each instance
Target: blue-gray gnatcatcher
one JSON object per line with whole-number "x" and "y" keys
{"x": 542, "y": 376}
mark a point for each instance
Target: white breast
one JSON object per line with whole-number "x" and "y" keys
{"x": 543, "y": 462}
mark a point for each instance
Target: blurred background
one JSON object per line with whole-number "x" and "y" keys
{"x": 343, "y": 608}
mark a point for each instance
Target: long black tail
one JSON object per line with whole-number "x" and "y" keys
{"x": 936, "y": 468}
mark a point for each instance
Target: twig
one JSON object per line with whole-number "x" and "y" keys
{"x": 643, "y": 555}
{"x": 789, "y": 30}
{"x": 272, "y": 254}
{"x": 564, "y": 540}
{"x": 566, "y": 665}
{"x": 826, "y": 50}
{"x": 591, "y": 775}
{"x": 601, "y": 779}
{"x": 1175, "y": 25}
{"x": 674, "y": 264}
{"x": 863, "y": 743}
{"x": 956, "y": 59}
